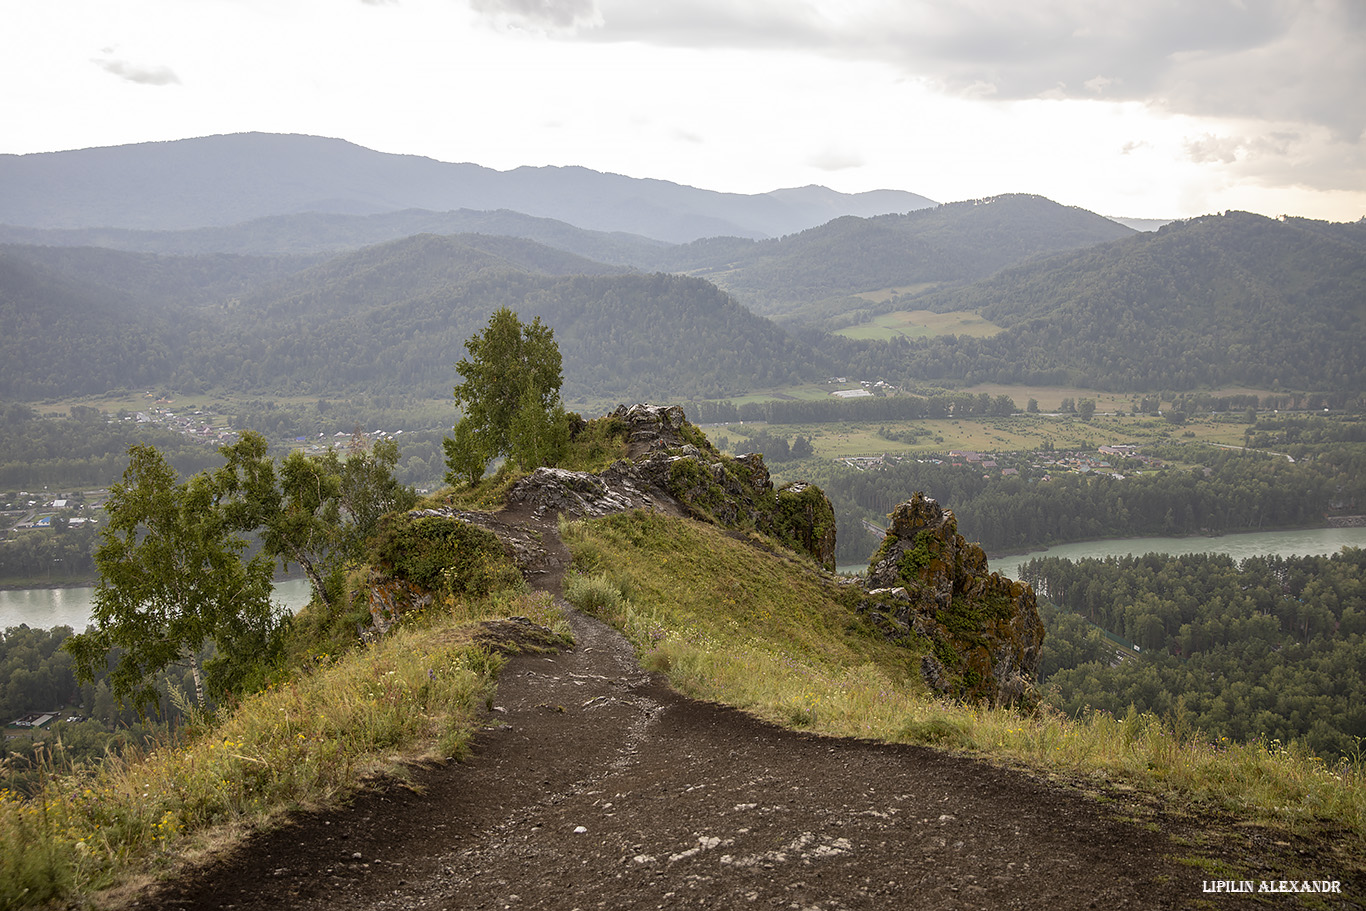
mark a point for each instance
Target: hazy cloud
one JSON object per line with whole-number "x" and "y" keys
{"x": 1283, "y": 59}
{"x": 563, "y": 15}
{"x": 1283, "y": 64}
{"x": 144, "y": 75}
{"x": 836, "y": 160}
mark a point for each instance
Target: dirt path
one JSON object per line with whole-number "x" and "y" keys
{"x": 593, "y": 785}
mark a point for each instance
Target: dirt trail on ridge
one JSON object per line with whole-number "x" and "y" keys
{"x": 592, "y": 785}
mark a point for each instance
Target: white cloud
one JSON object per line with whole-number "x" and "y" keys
{"x": 143, "y": 75}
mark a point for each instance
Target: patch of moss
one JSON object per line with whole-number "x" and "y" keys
{"x": 917, "y": 558}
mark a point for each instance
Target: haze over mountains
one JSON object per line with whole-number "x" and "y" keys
{"x": 327, "y": 303}
{"x": 224, "y": 180}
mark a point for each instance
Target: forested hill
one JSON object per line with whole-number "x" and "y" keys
{"x": 954, "y": 242}
{"x": 390, "y": 319}
{"x": 157, "y": 281}
{"x": 331, "y": 233}
{"x": 1234, "y": 298}
{"x": 224, "y": 180}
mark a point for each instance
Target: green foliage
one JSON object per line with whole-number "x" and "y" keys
{"x": 596, "y": 595}
{"x": 1268, "y": 648}
{"x": 442, "y": 555}
{"x": 172, "y": 578}
{"x": 509, "y": 399}
{"x": 594, "y": 445}
{"x": 318, "y": 511}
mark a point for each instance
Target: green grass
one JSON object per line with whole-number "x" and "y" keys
{"x": 922, "y": 324}
{"x": 885, "y": 294}
{"x": 1017, "y": 433}
{"x": 309, "y": 741}
{"x": 732, "y": 620}
{"x": 729, "y": 618}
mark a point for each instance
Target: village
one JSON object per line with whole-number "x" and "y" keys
{"x": 1117, "y": 461}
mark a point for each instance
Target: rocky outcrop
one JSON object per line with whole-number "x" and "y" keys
{"x": 427, "y": 554}
{"x": 985, "y": 629}
{"x": 674, "y": 467}
{"x": 651, "y": 428}
{"x": 738, "y": 493}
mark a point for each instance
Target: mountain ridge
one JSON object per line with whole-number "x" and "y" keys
{"x": 231, "y": 178}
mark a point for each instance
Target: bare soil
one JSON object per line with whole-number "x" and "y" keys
{"x": 592, "y": 785}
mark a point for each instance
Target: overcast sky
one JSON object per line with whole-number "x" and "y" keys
{"x": 1143, "y": 108}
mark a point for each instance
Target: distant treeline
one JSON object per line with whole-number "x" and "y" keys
{"x": 1271, "y": 648}
{"x": 36, "y": 675}
{"x": 56, "y": 554}
{"x": 874, "y": 408}
{"x": 1232, "y": 490}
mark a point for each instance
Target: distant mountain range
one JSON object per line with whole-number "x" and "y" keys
{"x": 267, "y": 297}
{"x": 805, "y": 276}
{"x": 217, "y": 181}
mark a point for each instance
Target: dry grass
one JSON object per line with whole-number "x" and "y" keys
{"x": 417, "y": 694}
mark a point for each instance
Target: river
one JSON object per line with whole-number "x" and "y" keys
{"x": 1299, "y": 542}
{"x": 43, "y": 608}
{"x": 48, "y": 607}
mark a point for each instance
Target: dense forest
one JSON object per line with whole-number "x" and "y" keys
{"x": 392, "y": 321}
{"x": 1234, "y": 298}
{"x": 37, "y": 675}
{"x": 1269, "y": 648}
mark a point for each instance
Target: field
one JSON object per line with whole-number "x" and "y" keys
{"x": 922, "y": 324}
{"x": 1021, "y": 432}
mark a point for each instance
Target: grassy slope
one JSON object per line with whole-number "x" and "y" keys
{"x": 762, "y": 630}
{"x": 307, "y": 741}
{"x": 728, "y": 617}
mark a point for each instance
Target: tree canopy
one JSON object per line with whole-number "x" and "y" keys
{"x": 509, "y": 399}
{"x": 173, "y": 578}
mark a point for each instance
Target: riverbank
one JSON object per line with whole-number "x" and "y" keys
{"x": 1241, "y": 546}
{"x": 10, "y": 585}
{"x": 1279, "y": 529}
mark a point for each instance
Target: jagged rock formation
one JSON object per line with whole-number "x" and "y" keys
{"x": 985, "y": 629}
{"x": 674, "y": 466}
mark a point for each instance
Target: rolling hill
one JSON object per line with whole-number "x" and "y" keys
{"x": 790, "y": 277}
{"x": 389, "y": 319}
{"x": 1233, "y": 298}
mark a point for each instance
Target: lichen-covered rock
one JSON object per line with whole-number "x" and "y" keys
{"x": 738, "y": 493}
{"x": 387, "y": 599}
{"x": 804, "y": 515}
{"x": 985, "y": 628}
{"x": 583, "y": 495}
{"x": 650, "y": 428}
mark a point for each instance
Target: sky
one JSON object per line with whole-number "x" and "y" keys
{"x": 1137, "y": 108}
